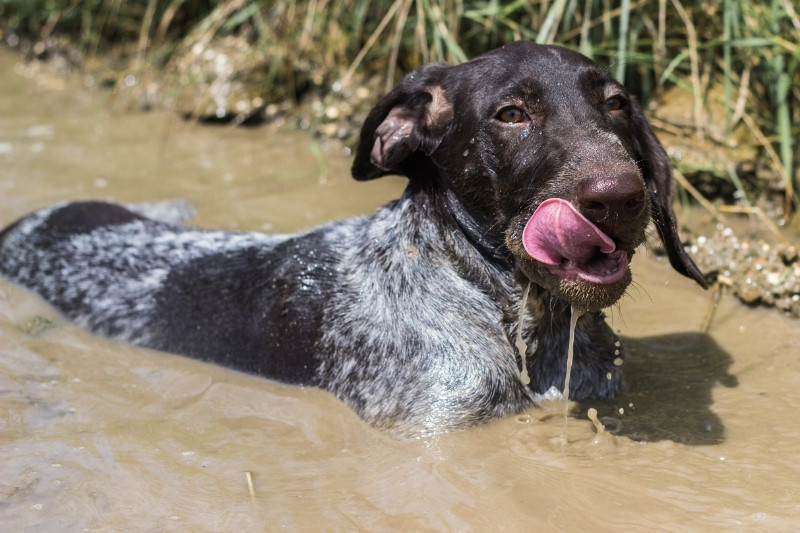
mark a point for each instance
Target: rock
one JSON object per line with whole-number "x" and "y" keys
{"x": 218, "y": 80}
{"x": 756, "y": 271}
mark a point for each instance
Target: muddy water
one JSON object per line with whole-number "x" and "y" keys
{"x": 101, "y": 436}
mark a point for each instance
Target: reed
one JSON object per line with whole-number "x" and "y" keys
{"x": 749, "y": 47}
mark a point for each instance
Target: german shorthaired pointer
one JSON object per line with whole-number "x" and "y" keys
{"x": 528, "y": 165}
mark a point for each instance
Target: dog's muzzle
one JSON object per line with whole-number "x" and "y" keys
{"x": 571, "y": 246}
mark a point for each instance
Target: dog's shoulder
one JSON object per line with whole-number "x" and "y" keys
{"x": 412, "y": 327}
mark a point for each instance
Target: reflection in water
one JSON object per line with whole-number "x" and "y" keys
{"x": 670, "y": 381}
{"x": 102, "y": 436}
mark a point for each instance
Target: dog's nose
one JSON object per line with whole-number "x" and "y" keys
{"x": 608, "y": 200}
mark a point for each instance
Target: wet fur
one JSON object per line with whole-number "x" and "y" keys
{"x": 408, "y": 316}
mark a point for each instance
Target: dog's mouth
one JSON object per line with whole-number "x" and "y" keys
{"x": 571, "y": 246}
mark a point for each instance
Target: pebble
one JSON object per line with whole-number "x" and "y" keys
{"x": 756, "y": 271}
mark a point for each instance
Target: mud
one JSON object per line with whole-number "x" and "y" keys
{"x": 756, "y": 269}
{"x": 96, "y": 435}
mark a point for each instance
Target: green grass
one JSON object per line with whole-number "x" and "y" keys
{"x": 748, "y": 46}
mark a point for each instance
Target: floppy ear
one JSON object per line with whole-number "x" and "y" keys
{"x": 658, "y": 176}
{"x": 413, "y": 118}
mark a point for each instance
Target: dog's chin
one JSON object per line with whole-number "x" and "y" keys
{"x": 578, "y": 292}
{"x": 590, "y": 296}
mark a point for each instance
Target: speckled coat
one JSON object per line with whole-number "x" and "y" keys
{"x": 409, "y": 316}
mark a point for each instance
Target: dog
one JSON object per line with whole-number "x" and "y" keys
{"x": 528, "y": 166}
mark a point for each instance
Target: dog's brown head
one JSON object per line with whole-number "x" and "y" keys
{"x": 541, "y": 157}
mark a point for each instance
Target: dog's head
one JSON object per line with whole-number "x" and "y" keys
{"x": 545, "y": 160}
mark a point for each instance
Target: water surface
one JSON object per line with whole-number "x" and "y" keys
{"x": 96, "y": 435}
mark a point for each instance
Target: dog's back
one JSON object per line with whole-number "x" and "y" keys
{"x": 159, "y": 285}
{"x": 366, "y": 308}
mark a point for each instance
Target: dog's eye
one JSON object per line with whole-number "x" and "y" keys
{"x": 615, "y": 103}
{"x": 512, "y": 115}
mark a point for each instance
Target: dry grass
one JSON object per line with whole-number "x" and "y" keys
{"x": 749, "y": 47}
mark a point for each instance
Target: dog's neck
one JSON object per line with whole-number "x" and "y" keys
{"x": 477, "y": 256}
{"x": 452, "y": 213}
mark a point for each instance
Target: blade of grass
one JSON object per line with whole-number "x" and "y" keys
{"x": 744, "y": 91}
{"x": 444, "y": 35}
{"x": 765, "y": 143}
{"x": 606, "y": 16}
{"x": 784, "y": 130}
{"x": 144, "y": 35}
{"x": 734, "y": 176}
{"x": 783, "y": 117}
{"x": 549, "y": 27}
{"x": 691, "y": 37}
{"x": 697, "y": 195}
{"x": 422, "y": 37}
{"x": 166, "y": 20}
{"x": 345, "y": 79}
{"x": 662, "y": 35}
{"x": 586, "y": 47}
{"x": 792, "y": 14}
{"x": 205, "y": 30}
{"x": 622, "y": 43}
{"x": 398, "y": 35}
{"x": 727, "y": 70}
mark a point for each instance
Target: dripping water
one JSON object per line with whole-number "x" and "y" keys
{"x": 522, "y": 348}
{"x": 576, "y": 314}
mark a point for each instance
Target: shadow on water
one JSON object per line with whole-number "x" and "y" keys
{"x": 670, "y": 380}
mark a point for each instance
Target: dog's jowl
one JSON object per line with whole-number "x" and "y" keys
{"x": 527, "y": 165}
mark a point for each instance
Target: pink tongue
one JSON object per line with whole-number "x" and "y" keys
{"x": 558, "y": 235}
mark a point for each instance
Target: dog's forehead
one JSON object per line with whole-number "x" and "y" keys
{"x": 531, "y": 68}
{"x": 541, "y": 54}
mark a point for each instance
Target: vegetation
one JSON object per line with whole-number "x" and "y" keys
{"x": 748, "y": 49}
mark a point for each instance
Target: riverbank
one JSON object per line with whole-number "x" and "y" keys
{"x": 745, "y": 240}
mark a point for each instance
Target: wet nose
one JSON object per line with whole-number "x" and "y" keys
{"x": 609, "y": 200}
